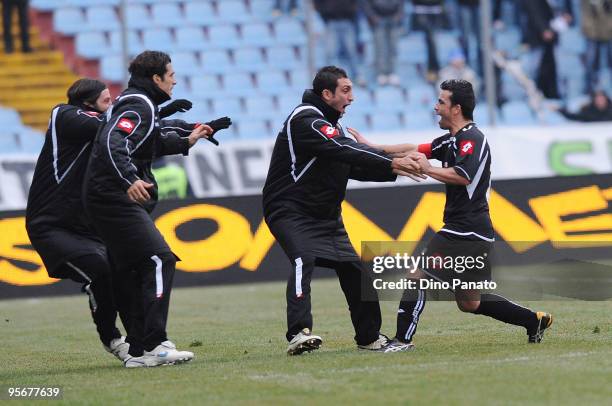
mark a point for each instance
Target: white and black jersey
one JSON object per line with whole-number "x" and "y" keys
{"x": 467, "y": 207}
{"x": 55, "y": 221}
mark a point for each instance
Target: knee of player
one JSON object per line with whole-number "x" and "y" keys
{"x": 468, "y": 306}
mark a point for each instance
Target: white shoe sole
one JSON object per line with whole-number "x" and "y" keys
{"x": 308, "y": 345}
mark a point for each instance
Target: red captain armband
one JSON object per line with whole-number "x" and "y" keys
{"x": 425, "y": 149}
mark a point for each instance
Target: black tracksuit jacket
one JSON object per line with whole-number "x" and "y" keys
{"x": 311, "y": 164}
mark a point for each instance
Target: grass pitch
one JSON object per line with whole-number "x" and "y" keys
{"x": 460, "y": 358}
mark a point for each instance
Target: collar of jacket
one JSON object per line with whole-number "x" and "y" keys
{"x": 149, "y": 88}
{"x": 85, "y": 107}
{"x": 330, "y": 113}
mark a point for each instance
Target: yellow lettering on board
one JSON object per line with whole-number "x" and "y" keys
{"x": 550, "y": 210}
{"x": 222, "y": 249}
{"x": 14, "y": 234}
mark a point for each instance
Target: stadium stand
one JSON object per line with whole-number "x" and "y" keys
{"x": 256, "y": 62}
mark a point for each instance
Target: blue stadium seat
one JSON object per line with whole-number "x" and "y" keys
{"x": 10, "y": 119}
{"x": 424, "y": 96}
{"x": 92, "y": 44}
{"x": 508, "y": 40}
{"x": 238, "y": 84}
{"x": 190, "y": 38}
{"x": 151, "y": 2}
{"x": 253, "y": 128}
{"x": 134, "y": 43}
{"x": 137, "y": 16}
{"x": 412, "y": 48}
{"x": 363, "y": 102}
{"x": 554, "y": 118}
{"x": 356, "y": 120}
{"x": 185, "y": 63}
{"x": 446, "y": 42}
{"x": 87, "y": 3}
{"x": 111, "y": 68}
{"x": 272, "y": 82}
{"x": 389, "y": 99}
{"x": 103, "y": 18}
{"x": 572, "y": 41}
{"x": 223, "y": 36}
{"x": 260, "y": 106}
{"x": 167, "y": 15}
{"x": 249, "y": 59}
{"x": 47, "y": 5}
{"x": 200, "y": 13}
{"x": 31, "y": 141}
{"x": 517, "y": 113}
{"x": 262, "y": 9}
{"x": 418, "y": 119}
{"x": 300, "y": 79}
{"x": 68, "y": 20}
{"x": 216, "y": 61}
{"x": 287, "y": 102}
{"x": 159, "y": 39}
{"x": 200, "y": 112}
{"x": 227, "y": 106}
{"x": 256, "y": 34}
{"x": 289, "y": 31}
{"x": 233, "y": 11}
{"x": 283, "y": 57}
{"x": 383, "y": 122}
{"x": 205, "y": 85}
{"x": 8, "y": 142}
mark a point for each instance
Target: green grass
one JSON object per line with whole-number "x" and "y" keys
{"x": 460, "y": 358}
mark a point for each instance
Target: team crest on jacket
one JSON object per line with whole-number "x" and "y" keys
{"x": 329, "y": 131}
{"x": 125, "y": 125}
{"x": 466, "y": 147}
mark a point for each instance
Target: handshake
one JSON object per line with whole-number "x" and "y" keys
{"x": 413, "y": 165}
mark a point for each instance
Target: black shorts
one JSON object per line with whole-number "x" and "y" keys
{"x": 449, "y": 258}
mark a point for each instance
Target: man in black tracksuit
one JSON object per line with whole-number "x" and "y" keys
{"x": 55, "y": 222}
{"x": 120, "y": 192}
{"x": 311, "y": 164}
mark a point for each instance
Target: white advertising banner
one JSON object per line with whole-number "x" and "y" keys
{"x": 240, "y": 167}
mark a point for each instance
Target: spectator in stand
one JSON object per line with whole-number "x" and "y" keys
{"x": 542, "y": 39}
{"x": 290, "y": 6}
{"x": 498, "y": 21}
{"x": 469, "y": 26}
{"x": 427, "y": 16}
{"x": 340, "y": 22}
{"x": 457, "y": 69}
{"x": 597, "y": 28}
{"x": 599, "y": 108}
{"x": 22, "y": 7}
{"x": 385, "y": 18}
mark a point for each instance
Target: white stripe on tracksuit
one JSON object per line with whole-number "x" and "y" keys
{"x": 159, "y": 282}
{"x": 298, "y": 277}
{"x": 416, "y": 313}
{"x": 87, "y": 287}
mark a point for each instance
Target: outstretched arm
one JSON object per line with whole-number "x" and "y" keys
{"x": 394, "y": 150}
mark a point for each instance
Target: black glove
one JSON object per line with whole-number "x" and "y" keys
{"x": 181, "y": 105}
{"x": 218, "y": 124}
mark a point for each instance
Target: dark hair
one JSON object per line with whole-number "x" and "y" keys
{"x": 327, "y": 78}
{"x": 85, "y": 91}
{"x": 149, "y": 63}
{"x": 462, "y": 94}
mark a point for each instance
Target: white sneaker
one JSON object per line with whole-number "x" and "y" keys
{"x": 134, "y": 362}
{"x": 382, "y": 80}
{"x": 119, "y": 348}
{"x": 377, "y": 344}
{"x": 304, "y": 341}
{"x": 396, "y": 345}
{"x": 165, "y": 354}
